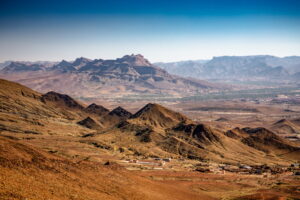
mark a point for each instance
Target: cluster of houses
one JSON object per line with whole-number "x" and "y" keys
{"x": 159, "y": 164}
{"x": 246, "y": 169}
{"x": 155, "y": 163}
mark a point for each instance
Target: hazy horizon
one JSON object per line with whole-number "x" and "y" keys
{"x": 113, "y": 58}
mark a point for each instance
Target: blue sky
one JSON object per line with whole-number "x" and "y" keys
{"x": 160, "y": 30}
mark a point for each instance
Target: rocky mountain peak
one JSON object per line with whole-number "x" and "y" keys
{"x": 61, "y": 100}
{"x": 150, "y": 107}
{"x": 64, "y": 66}
{"x": 121, "y": 112}
{"x": 156, "y": 115}
{"x": 96, "y": 109}
{"x": 135, "y": 60}
{"x": 81, "y": 60}
{"x": 64, "y": 63}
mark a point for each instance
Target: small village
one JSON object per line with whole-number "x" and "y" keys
{"x": 203, "y": 167}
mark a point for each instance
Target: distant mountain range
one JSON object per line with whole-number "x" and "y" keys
{"x": 45, "y": 64}
{"x": 135, "y": 75}
{"x": 131, "y": 74}
{"x": 254, "y": 68}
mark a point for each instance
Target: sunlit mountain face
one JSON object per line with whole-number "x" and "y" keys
{"x": 129, "y": 75}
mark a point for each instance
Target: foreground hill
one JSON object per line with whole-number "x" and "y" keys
{"x": 153, "y": 131}
{"x": 54, "y": 147}
{"x": 131, "y": 74}
{"x": 26, "y": 111}
{"x": 27, "y": 172}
